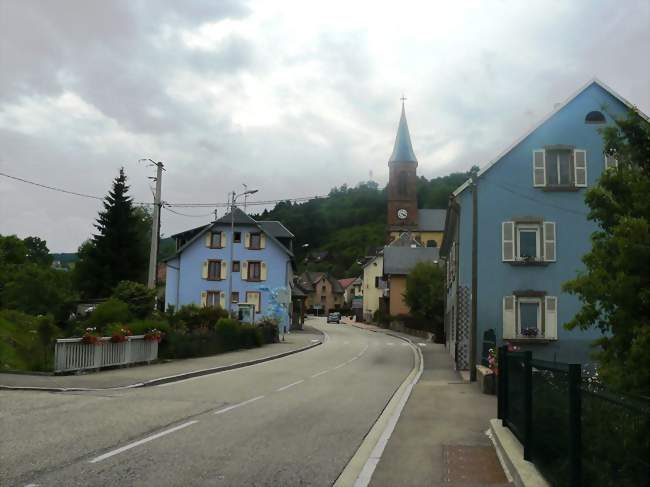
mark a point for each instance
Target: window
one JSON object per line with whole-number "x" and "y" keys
{"x": 560, "y": 167}
{"x": 528, "y": 242}
{"x": 322, "y": 299}
{"x": 256, "y": 241}
{"x": 253, "y": 297}
{"x": 215, "y": 240}
{"x": 213, "y": 299}
{"x": 324, "y": 289}
{"x": 214, "y": 270}
{"x": 234, "y": 297}
{"x": 610, "y": 161}
{"x": 432, "y": 243}
{"x": 595, "y": 117}
{"x": 530, "y": 316}
{"x": 254, "y": 271}
{"x": 235, "y": 266}
{"x": 377, "y": 282}
{"x": 237, "y": 237}
{"x": 402, "y": 184}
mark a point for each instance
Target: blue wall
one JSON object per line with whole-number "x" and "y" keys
{"x": 506, "y": 191}
{"x": 187, "y": 287}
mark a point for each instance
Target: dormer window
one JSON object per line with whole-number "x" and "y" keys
{"x": 595, "y": 117}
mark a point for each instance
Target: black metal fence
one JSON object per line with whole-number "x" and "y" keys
{"x": 576, "y": 433}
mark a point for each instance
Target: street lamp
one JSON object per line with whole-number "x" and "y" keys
{"x": 232, "y": 238}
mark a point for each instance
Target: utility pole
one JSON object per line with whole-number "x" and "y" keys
{"x": 473, "y": 325}
{"x": 231, "y": 239}
{"x": 155, "y": 226}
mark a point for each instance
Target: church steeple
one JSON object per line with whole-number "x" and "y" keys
{"x": 402, "y": 181}
{"x": 403, "y": 149}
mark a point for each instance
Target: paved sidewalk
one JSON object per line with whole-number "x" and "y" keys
{"x": 440, "y": 439}
{"x": 137, "y": 375}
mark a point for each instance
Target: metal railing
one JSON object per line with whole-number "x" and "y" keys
{"x": 575, "y": 433}
{"x": 72, "y": 354}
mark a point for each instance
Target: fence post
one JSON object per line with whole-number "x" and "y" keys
{"x": 575, "y": 426}
{"x": 501, "y": 383}
{"x": 528, "y": 405}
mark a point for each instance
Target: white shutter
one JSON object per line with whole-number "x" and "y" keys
{"x": 509, "y": 323}
{"x": 204, "y": 298}
{"x": 247, "y": 240}
{"x": 223, "y": 239}
{"x": 262, "y": 241}
{"x": 244, "y": 271}
{"x": 539, "y": 167}
{"x": 263, "y": 271}
{"x": 550, "y": 305}
{"x": 580, "y": 167}
{"x": 610, "y": 161}
{"x": 508, "y": 241}
{"x": 224, "y": 270}
{"x": 549, "y": 241}
{"x": 204, "y": 271}
{"x": 222, "y": 300}
{"x": 208, "y": 239}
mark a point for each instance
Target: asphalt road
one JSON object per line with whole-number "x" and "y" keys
{"x": 294, "y": 421}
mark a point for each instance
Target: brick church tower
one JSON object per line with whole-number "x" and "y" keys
{"x": 402, "y": 182}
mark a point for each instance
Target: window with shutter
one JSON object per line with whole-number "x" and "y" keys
{"x": 508, "y": 241}
{"x": 549, "y": 241}
{"x": 539, "y": 167}
{"x": 551, "y": 317}
{"x": 213, "y": 299}
{"x": 255, "y": 241}
{"x": 610, "y": 161}
{"x": 509, "y": 322}
{"x": 580, "y": 167}
{"x": 254, "y": 271}
{"x": 214, "y": 270}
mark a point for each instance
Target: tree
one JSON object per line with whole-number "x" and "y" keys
{"x": 37, "y": 251}
{"x": 118, "y": 252}
{"x": 425, "y": 294}
{"x": 139, "y": 298}
{"x": 615, "y": 287}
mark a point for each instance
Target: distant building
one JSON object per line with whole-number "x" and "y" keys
{"x": 261, "y": 267}
{"x": 324, "y": 293}
{"x": 375, "y": 288}
{"x": 532, "y": 233}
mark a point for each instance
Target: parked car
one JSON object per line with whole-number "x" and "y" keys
{"x": 334, "y": 317}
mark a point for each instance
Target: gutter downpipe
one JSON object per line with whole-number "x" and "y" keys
{"x": 473, "y": 330}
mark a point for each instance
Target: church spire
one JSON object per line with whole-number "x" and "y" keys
{"x": 403, "y": 149}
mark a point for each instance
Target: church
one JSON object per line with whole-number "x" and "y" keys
{"x": 425, "y": 226}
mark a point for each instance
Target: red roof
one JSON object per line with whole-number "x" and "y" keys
{"x": 347, "y": 281}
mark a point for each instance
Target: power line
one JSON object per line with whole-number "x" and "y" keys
{"x": 51, "y": 187}
{"x": 185, "y": 214}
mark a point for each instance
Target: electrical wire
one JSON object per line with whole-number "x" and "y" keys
{"x": 53, "y": 188}
{"x": 185, "y": 214}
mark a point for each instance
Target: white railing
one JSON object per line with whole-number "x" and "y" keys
{"x": 71, "y": 354}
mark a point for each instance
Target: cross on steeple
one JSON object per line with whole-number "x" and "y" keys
{"x": 403, "y": 98}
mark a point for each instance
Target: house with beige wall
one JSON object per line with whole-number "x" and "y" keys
{"x": 324, "y": 293}
{"x": 374, "y": 287}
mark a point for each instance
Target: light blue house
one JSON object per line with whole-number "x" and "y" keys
{"x": 532, "y": 231}
{"x": 257, "y": 277}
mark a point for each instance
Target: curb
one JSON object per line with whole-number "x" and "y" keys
{"x": 360, "y": 468}
{"x": 165, "y": 380}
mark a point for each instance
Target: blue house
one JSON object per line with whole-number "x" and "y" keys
{"x": 258, "y": 276}
{"x": 532, "y": 231}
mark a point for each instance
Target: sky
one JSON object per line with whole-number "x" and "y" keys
{"x": 288, "y": 97}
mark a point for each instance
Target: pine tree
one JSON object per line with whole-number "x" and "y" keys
{"x": 118, "y": 252}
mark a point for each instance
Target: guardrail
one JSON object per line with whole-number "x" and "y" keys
{"x": 71, "y": 354}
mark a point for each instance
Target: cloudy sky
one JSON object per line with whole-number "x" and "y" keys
{"x": 291, "y": 97}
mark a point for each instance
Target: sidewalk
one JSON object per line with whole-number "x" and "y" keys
{"x": 440, "y": 439}
{"x": 141, "y": 375}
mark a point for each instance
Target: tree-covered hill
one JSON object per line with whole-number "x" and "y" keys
{"x": 334, "y": 233}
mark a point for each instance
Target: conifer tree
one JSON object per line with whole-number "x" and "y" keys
{"x": 118, "y": 251}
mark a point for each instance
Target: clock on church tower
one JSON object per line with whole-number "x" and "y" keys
{"x": 402, "y": 181}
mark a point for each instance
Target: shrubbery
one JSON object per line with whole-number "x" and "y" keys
{"x": 108, "y": 312}
{"x": 139, "y": 298}
{"x": 26, "y": 341}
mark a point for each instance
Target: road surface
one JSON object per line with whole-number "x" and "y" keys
{"x": 292, "y": 421}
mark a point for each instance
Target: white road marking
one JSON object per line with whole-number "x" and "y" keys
{"x": 140, "y": 442}
{"x": 422, "y": 344}
{"x": 314, "y": 340}
{"x": 243, "y": 403}
{"x": 390, "y": 344}
{"x": 32, "y": 485}
{"x": 320, "y": 373}
{"x": 339, "y": 366}
{"x": 352, "y": 359}
{"x": 290, "y": 385}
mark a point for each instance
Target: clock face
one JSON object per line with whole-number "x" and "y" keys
{"x": 402, "y": 214}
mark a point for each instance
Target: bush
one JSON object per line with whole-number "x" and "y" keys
{"x": 140, "y": 299}
{"x": 111, "y": 311}
{"x": 140, "y": 327}
{"x": 192, "y": 317}
{"x": 269, "y": 330}
{"x": 382, "y": 318}
{"x": 26, "y": 341}
{"x": 250, "y": 336}
{"x": 228, "y": 331}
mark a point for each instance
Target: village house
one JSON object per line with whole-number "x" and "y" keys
{"x": 532, "y": 232}
{"x": 324, "y": 293}
{"x": 256, "y": 281}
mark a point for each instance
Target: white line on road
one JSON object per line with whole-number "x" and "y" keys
{"x": 142, "y": 441}
{"x": 422, "y": 344}
{"x": 320, "y": 373}
{"x": 352, "y": 359}
{"x": 390, "y": 344}
{"x": 243, "y": 403}
{"x": 32, "y": 485}
{"x": 290, "y": 385}
{"x": 339, "y": 366}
